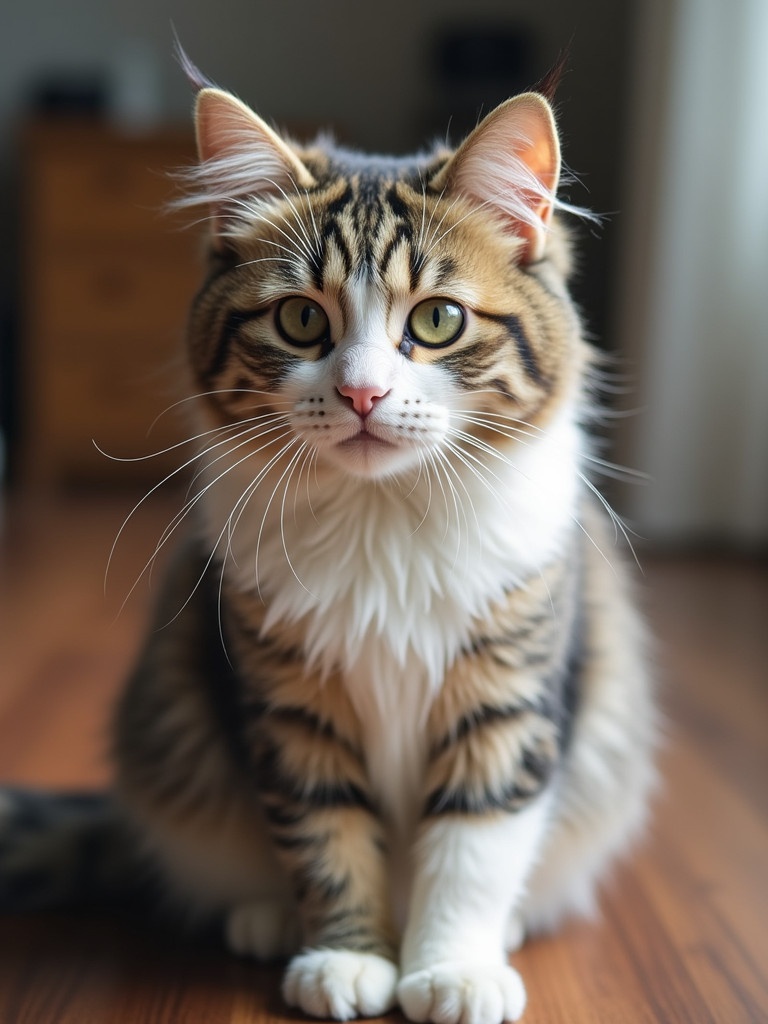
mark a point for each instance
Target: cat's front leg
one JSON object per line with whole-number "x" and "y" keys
{"x": 330, "y": 841}
{"x": 348, "y": 966}
{"x": 470, "y": 871}
{"x": 495, "y": 740}
{"x": 334, "y": 855}
{"x": 308, "y": 771}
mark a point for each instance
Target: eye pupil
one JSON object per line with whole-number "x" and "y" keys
{"x": 301, "y": 321}
{"x": 436, "y": 323}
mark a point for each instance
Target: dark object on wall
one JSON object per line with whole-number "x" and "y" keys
{"x": 476, "y": 68}
{"x": 60, "y": 94}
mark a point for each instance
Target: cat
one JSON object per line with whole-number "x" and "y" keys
{"x": 394, "y": 713}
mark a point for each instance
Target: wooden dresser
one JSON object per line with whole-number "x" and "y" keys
{"x": 108, "y": 275}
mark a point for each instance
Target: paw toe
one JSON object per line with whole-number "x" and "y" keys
{"x": 462, "y": 994}
{"x": 340, "y": 984}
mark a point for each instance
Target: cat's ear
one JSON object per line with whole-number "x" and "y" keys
{"x": 511, "y": 163}
{"x": 240, "y": 157}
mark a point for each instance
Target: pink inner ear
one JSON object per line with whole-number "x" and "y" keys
{"x": 216, "y": 129}
{"x": 240, "y": 156}
{"x": 511, "y": 163}
{"x": 224, "y": 126}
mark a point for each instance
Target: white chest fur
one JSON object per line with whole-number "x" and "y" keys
{"x": 388, "y": 577}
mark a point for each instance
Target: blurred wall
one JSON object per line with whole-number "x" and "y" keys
{"x": 369, "y": 70}
{"x": 692, "y": 311}
{"x": 366, "y": 66}
{"x": 662, "y": 116}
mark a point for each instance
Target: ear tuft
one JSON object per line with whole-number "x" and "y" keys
{"x": 194, "y": 75}
{"x": 548, "y": 85}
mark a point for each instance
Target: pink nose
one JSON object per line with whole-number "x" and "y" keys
{"x": 362, "y": 399}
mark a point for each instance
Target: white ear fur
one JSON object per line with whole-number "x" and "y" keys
{"x": 241, "y": 158}
{"x": 511, "y": 162}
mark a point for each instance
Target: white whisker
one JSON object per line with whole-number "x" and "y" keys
{"x": 472, "y": 463}
{"x": 213, "y": 394}
{"x": 267, "y": 507}
{"x": 495, "y": 453}
{"x": 450, "y": 468}
{"x": 415, "y": 483}
{"x": 150, "y": 492}
{"x": 423, "y": 184}
{"x": 272, "y": 259}
{"x": 301, "y": 236}
{"x": 224, "y": 530}
{"x": 422, "y": 467}
{"x": 296, "y": 258}
{"x": 430, "y": 455}
{"x": 471, "y": 213}
{"x": 307, "y": 462}
{"x": 429, "y": 225}
{"x": 179, "y": 518}
{"x": 290, "y": 469}
{"x": 317, "y": 247}
{"x": 277, "y": 421}
{"x": 533, "y": 432}
{"x": 449, "y": 209}
{"x": 251, "y": 433}
{"x": 304, "y": 253}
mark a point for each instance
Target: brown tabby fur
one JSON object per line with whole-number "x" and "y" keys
{"x": 243, "y": 764}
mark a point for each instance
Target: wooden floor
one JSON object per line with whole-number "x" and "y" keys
{"x": 684, "y": 936}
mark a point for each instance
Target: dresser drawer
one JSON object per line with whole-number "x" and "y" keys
{"x": 107, "y": 282}
{"x": 111, "y": 186}
{"x": 116, "y": 290}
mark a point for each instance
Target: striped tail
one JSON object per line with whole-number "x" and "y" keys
{"x": 65, "y": 850}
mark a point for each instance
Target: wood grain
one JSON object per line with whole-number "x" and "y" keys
{"x": 103, "y": 257}
{"x": 683, "y": 938}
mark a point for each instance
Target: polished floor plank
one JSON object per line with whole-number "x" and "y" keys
{"x": 684, "y": 928}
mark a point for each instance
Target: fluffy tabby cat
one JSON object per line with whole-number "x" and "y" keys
{"x": 394, "y": 714}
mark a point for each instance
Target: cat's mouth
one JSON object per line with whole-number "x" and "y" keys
{"x": 364, "y": 440}
{"x": 369, "y": 455}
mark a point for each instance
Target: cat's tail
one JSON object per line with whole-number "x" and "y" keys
{"x": 64, "y": 850}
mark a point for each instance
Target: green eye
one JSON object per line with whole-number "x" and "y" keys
{"x": 301, "y": 321}
{"x": 436, "y": 322}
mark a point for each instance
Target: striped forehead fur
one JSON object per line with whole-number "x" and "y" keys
{"x": 245, "y": 181}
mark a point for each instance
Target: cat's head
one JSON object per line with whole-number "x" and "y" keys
{"x": 380, "y": 312}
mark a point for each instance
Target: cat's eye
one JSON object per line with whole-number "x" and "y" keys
{"x": 301, "y": 321}
{"x": 436, "y": 322}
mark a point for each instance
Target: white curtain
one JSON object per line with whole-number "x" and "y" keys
{"x": 693, "y": 309}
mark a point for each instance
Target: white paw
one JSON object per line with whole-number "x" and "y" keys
{"x": 340, "y": 984}
{"x": 461, "y": 993}
{"x": 265, "y": 929}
